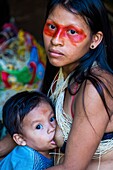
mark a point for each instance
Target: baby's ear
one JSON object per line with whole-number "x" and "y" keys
{"x": 18, "y": 138}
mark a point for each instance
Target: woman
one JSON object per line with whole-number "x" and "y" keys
{"x": 78, "y": 41}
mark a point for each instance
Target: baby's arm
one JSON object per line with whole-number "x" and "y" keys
{"x": 6, "y": 145}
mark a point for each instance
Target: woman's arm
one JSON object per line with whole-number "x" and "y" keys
{"x": 87, "y": 130}
{"x": 6, "y": 145}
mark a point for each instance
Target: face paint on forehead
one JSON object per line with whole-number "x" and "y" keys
{"x": 73, "y": 33}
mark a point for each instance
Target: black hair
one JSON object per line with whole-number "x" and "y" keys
{"x": 18, "y": 106}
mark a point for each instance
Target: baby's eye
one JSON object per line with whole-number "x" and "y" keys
{"x": 52, "y": 119}
{"x": 52, "y": 27}
{"x": 72, "y": 32}
{"x": 39, "y": 126}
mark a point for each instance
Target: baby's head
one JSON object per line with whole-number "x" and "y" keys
{"x": 30, "y": 120}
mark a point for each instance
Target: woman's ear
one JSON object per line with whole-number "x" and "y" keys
{"x": 18, "y": 138}
{"x": 97, "y": 38}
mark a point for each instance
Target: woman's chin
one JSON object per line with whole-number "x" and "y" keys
{"x": 55, "y": 62}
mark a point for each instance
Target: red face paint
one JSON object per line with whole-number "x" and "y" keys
{"x": 74, "y": 34}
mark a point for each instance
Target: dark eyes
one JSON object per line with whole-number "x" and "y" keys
{"x": 69, "y": 31}
{"x": 52, "y": 119}
{"x": 52, "y": 27}
{"x": 39, "y": 126}
{"x": 72, "y": 32}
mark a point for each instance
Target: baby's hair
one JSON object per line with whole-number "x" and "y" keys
{"x": 18, "y": 106}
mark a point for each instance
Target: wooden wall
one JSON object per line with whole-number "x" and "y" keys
{"x": 29, "y": 15}
{"x": 109, "y": 7}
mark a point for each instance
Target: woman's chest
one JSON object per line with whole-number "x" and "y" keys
{"x": 110, "y": 125}
{"x": 66, "y": 118}
{"x": 68, "y": 104}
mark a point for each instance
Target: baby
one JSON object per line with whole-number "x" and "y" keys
{"x": 30, "y": 120}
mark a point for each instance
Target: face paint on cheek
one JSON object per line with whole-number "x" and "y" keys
{"x": 47, "y": 31}
{"x": 59, "y": 31}
{"x": 78, "y": 37}
{"x": 62, "y": 32}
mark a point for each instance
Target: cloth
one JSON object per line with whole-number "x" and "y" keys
{"x": 25, "y": 158}
{"x": 57, "y": 96}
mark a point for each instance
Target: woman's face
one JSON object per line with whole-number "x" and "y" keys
{"x": 67, "y": 38}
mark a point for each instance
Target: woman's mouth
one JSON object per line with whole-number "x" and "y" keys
{"x": 55, "y": 53}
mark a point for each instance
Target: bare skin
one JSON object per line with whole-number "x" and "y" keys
{"x": 87, "y": 131}
{"x": 6, "y": 145}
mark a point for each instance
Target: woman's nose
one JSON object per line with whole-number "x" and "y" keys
{"x": 57, "y": 39}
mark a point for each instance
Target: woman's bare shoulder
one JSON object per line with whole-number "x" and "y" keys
{"x": 105, "y": 83}
{"x": 104, "y": 76}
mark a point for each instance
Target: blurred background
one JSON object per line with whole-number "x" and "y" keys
{"x": 109, "y": 7}
{"x": 27, "y": 14}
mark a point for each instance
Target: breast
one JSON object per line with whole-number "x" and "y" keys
{"x": 59, "y": 137}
